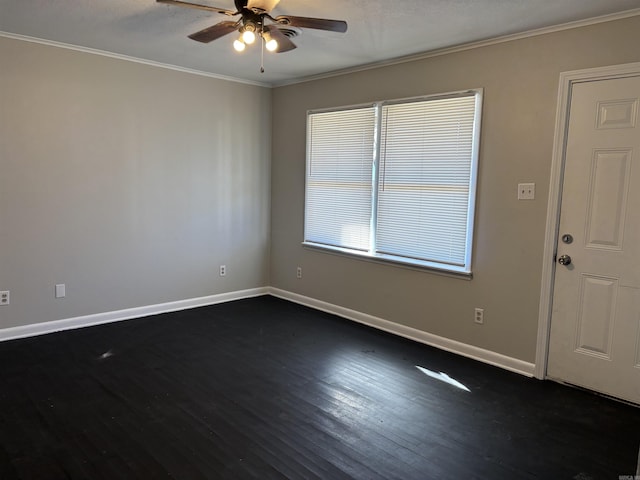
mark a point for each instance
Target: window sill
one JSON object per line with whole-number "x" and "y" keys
{"x": 449, "y": 271}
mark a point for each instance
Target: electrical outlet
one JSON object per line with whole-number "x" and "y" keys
{"x": 526, "y": 191}
{"x": 61, "y": 290}
{"x": 4, "y": 297}
{"x": 479, "y": 316}
{"x": 223, "y": 270}
{"x": 299, "y": 272}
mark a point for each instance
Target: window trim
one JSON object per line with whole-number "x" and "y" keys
{"x": 437, "y": 267}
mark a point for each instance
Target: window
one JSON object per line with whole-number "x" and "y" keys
{"x": 395, "y": 180}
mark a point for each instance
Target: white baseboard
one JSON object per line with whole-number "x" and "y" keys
{"x": 129, "y": 313}
{"x": 470, "y": 351}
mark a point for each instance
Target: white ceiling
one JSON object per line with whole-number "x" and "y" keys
{"x": 379, "y": 30}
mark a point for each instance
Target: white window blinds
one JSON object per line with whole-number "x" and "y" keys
{"x": 395, "y": 180}
{"x": 338, "y": 184}
{"x": 426, "y": 157}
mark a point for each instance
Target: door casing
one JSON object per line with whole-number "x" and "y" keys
{"x": 567, "y": 80}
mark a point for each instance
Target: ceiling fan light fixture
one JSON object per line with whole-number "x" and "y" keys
{"x": 270, "y": 43}
{"x": 239, "y": 45}
{"x": 249, "y": 33}
{"x": 249, "y": 37}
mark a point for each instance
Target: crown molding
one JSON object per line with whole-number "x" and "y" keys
{"x": 128, "y": 58}
{"x": 466, "y": 46}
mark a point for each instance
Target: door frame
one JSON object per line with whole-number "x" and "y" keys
{"x": 567, "y": 80}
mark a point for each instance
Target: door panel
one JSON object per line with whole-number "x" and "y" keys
{"x": 608, "y": 195}
{"x": 595, "y": 324}
{"x": 598, "y": 299}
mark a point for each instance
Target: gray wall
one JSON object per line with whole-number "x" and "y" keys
{"x": 520, "y": 79}
{"x": 129, "y": 183}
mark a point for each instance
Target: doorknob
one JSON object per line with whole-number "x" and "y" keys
{"x": 564, "y": 260}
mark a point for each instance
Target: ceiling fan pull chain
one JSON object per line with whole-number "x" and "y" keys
{"x": 262, "y": 49}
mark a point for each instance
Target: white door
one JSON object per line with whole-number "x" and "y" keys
{"x": 595, "y": 324}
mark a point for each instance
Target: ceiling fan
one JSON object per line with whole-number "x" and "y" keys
{"x": 256, "y": 21}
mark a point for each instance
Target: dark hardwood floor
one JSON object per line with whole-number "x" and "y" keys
{"x": 263, "y": 388}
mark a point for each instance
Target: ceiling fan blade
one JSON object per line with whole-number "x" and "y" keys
{"x": 224, "y": 11}
{"x": 284, "y": 43}
{"x": 317, "y": 23}
{"x": 215, "y": 31}
{"x": 262, "y": 5}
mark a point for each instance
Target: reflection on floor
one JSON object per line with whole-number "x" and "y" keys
{"x": 443, "y": 377}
